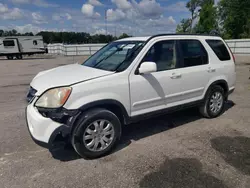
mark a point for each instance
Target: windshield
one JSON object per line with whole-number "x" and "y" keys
{"x": 116, "y": 56}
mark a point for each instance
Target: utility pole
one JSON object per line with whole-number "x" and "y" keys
{"x": 115, "y": 30}
{"x": 106, "y": 27}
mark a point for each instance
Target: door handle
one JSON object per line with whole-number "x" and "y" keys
{"x": 175, "y": 76}
{"x": 211, "y": 70}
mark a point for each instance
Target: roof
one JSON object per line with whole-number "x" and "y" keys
{"x": 161, "y": 35}
{"x": 135, "y": 39}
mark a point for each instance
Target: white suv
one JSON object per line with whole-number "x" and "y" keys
{"x": 125, "y": 81}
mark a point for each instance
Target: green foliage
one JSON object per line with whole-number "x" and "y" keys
{"x": 13, "y": 32}
{"x": 124, "y": 35}
{"x": 234, "y": 18}
{"x": 74, "y": 37}
{"x": 246, "y": 33}
{"x": 67, "y": 37}
{"x": 231, "y": 18}
{"x": 184, "y": 26}
{"x": 208, "y": 17}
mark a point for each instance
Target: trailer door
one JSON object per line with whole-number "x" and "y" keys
{"x": 10, "y": 46}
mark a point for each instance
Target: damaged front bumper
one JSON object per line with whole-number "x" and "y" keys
{"x": 50, "y": 129}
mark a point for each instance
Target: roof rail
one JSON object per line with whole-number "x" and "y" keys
{"x": 184, "y": 34}
{"x": 212, "y": 33}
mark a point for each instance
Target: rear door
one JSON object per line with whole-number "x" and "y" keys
{"x": 194, "y": 72}
{"x": 10, "y": 46}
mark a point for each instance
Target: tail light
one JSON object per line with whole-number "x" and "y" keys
{"x": 232, "y": 55}
{"x": 233, "y": 59}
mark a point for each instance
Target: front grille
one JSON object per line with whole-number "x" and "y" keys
{"x": 31, "y": 94}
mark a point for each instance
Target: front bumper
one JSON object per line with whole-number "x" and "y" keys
{"x": 44, "y": 131}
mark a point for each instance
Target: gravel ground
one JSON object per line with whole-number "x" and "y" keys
{"x": 172, "y": 151}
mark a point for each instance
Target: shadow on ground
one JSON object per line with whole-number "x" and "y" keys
{"x": 145, "y": 129}
{"x": 160, "y": 124}
{"x": 235, "y": 151}
{"x": 181, "y": 173}
{"x": 66, "y": 153}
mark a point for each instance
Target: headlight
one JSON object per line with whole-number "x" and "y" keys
{"x": 54, "y": 98}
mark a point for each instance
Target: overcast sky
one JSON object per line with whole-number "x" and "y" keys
{"x": 135, "y": 17}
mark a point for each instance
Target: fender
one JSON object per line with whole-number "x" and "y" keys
{"x": 218, "y": 82}
{"x": 103, "y": 102}
{"x": 107, "y": 103}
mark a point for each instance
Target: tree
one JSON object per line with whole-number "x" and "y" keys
{"x": 13, "y": 32}
{"x": 184, "y": 26}
{"x": 67, "y": 37}
{"x": 1, "y": 32}
{"x": 246, "y": 33}
{"x": 234, "y": 18}
{"x": 192, "y": 6}
{"x": 123, "y": 35}
{"x": 208, "y": 17}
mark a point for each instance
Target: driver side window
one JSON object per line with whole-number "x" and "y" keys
{"x": 164, "y": 54}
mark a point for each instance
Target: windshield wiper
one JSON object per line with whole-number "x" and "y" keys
{"x": 129, "y": 56}
{"x": 117, "y": 50}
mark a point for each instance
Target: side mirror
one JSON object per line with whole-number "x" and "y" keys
{"x": 147, "y": 67}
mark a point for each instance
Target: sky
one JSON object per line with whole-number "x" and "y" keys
{"x": 134, "y": 17}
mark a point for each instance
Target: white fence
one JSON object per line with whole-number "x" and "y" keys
{"x": 239, "y": 46}
{"x": 72, "y": 50}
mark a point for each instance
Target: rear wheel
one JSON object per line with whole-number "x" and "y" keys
{"x": 9, "y": 57}
{"x": 96, "y": 133}
{"x": 214, "y": 102}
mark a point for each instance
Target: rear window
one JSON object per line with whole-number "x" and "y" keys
{"x": 219, "y": 49}
{"x": 8, "y": 43}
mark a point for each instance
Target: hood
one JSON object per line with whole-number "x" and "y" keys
{"x": 65, "y": 76}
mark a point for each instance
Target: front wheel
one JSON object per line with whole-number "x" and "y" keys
{"x": 96, "y": 133}
{"x": 214, "y": 102}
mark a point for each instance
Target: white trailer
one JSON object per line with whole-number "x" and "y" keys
{"x": 17, "y": 46}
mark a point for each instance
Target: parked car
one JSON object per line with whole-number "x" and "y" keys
{"x": 126, "y": 81}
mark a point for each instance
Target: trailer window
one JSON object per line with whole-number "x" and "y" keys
{"x": 35, "y": 42}
{"x": 8, "y": 43}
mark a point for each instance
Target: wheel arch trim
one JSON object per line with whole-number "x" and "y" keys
{"x": 217, "y": 82}
{"x": 106, "y": 102}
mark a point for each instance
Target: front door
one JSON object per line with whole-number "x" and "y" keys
{"x": 148, "y": 91}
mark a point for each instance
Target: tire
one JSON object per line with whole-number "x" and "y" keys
{"x": 19, "y": 57}
{"x": 9, "y": 57}
{"x": 85, "y": 126}
{"x": 206, "y": 109}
